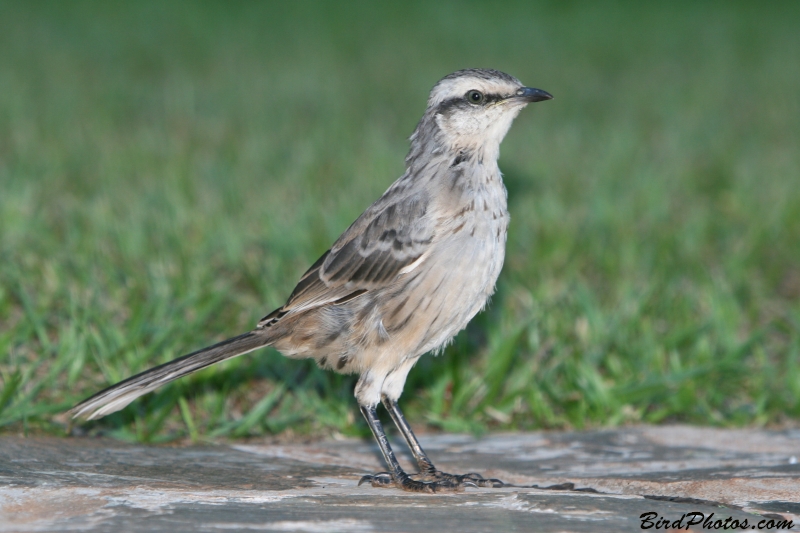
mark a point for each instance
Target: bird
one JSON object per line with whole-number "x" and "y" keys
{"x": 412, "y": 270}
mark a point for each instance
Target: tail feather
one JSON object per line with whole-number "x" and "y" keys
{"x": 118, "y": 396}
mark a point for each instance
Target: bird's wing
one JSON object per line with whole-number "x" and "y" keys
{"x": 387, "y": 238}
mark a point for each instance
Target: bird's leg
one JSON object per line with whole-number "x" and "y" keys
{"x": 427, "y": 471}
{"x": 397, "y": 477}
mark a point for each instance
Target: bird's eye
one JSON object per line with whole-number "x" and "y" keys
{"x": 474, "y": 97}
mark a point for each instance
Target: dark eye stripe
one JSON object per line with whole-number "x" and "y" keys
{"x": 492, "y": 98}
{"x": 461, "y": 101}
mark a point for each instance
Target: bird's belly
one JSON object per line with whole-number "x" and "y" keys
{"x": 459, "y": 280}
{"x": 422, "y": 311}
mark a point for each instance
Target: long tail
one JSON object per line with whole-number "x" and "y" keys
{"x": 118, "y": 396}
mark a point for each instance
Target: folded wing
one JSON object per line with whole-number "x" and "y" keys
{"x": 389, "y": 237}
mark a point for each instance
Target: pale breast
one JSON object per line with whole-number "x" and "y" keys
{"x": 432, "y": 299}
{"x": 455, "y": 281}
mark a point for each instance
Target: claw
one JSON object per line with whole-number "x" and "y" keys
{"x": 473, "y": 478}
{"x": 483, "y": 482}
{"x": 433, "y": 486}
{"x": 381, "y": 479}
{"x": 432, "y": 481}
{"x": 406, "y": 483}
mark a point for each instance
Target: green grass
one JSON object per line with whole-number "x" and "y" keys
{"x": 168, "y": 170}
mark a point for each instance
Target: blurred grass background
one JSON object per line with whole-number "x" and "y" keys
{"x": 169, "y": 169}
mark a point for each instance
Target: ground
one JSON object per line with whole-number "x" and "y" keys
{"x": 581, "y": 481}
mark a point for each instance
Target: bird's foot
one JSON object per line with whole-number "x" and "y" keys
{"x": 380, "y": 480}
{"x": 473, "y": 478}
{"x": 404, "y": 482}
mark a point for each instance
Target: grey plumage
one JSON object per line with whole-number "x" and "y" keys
{"x": 406, "y": 276}
{"x": 118, "y": 396}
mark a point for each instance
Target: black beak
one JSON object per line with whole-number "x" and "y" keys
{"x": 529, "y": 94}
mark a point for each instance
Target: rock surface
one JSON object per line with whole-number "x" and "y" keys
{"x": 592, "y": 481}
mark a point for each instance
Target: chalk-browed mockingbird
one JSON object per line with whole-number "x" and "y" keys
{"x": 402, "y": 280}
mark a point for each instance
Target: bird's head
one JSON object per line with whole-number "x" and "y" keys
{"x": 474, "y": 108}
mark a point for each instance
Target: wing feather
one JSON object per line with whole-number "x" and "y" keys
{"x": 389, "y": 236}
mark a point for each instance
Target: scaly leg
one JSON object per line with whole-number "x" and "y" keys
{"x": 428, "y": 472}
{"x": 397, "y": 477}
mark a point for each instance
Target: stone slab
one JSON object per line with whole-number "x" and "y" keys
{"x": 579, "y": 481}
